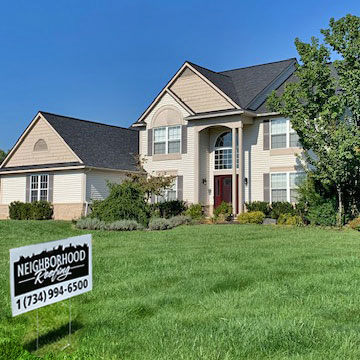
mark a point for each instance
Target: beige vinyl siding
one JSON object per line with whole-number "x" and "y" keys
{"x": 57, "y": 151}
{"x": 96, "y": 183}
{"x": 68, "y": 187}
{"x": 256, "y": 161}
{"x": 12, "y": 188}
{"x": 182, "y": 166}
{"x": 198, "y": 94}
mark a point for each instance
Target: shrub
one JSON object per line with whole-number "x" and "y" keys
{"x": 90, "y": 224}
{"x": 195, "y": 211}
{"x": 262, "y": 206}
{"x": 251, "y": 217}
{"x": 223, "y": 211}
{"x": 160, "y": 224}
{"x": 355, "y": 224}
{"x": 19, "y": 210}
{"x": 126, "y": 201}
{"x": 323, "y": 214}
{"x": 281, "y": 207}
{"x": 41, "y": 210}
{"x": 38, "y": 210}
{"x": 180, "y": 220}
{"x": 124, "y": 225}
{"x": 288, "y": 219}
{"x": 168, "y": 209}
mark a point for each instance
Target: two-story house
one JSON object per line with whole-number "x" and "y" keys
{"x": 191, "y": 128}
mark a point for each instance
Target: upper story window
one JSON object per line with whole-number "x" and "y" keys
{"x": 40, "y": 145}
{"x": 282, "y": 134}
{"x": 223, "y": 152}
{"x": 39, "y": 188}
{"x": 167, "y": 140}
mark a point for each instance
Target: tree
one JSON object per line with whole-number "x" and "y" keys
{"x": 2, "y": 155}
{"x": 150, "y": 184}
{"x": 323, "y": 106}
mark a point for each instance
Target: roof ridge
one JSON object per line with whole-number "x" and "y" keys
{"x": 88, "y": 121}
{"x": 215, "y": 72}
{"x": 247, "y": 67}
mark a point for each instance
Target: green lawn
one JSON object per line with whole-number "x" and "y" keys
{"x": 200, "y": 292}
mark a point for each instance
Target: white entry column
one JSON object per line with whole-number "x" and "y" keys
{"x": 241, "y": 169}
{"x": 233, "y": 154}
{"x": 196, "y": 166}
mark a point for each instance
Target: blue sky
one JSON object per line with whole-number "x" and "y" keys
{"x": 106, "y": 60}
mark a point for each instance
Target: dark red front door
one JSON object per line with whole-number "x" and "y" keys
{"x": 223, "y": 189}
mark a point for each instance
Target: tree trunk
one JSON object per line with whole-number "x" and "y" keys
{"x": 340, "y": 207}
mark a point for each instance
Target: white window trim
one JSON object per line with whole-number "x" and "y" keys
{"x": 287, "y": 133}
{"x": 39, "y": 187}
{"x": 288, "y": 188}
{"x": 176, "y": 191}
{"x": 167, "y": 139}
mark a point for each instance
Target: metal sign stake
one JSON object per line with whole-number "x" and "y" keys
{"x": 37, "y": 329}
{"x": 69, "y": 321}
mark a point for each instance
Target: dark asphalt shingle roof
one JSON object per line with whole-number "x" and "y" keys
{"x": 97, "y": 145}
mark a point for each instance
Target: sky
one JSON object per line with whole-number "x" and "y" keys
{"x": 107, "y": 60}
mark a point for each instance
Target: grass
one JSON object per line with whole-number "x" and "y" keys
{"x": 200, "y": 292}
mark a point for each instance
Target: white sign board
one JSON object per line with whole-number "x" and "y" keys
{"x": 46, "y": 273}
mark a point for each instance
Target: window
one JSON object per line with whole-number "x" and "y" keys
{"x": 167, "y": 140}
{"x": 278, "y": 187}
{"x": 168, "y": 194}
{"x": 293, "y": 137}
{"x": 295, "y": 180}
{"x": 223, "y": 152}
{"x": 284, "y": 186}
{"x": 283, "y": 135}
{"x": 278, "y": 133}
{"x": 39, "y": 187}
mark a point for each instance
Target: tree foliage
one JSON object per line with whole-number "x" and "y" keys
{"x": 2, "y": 155}
{"x": 150, "y": 184}
{"x": 323, "y": 106}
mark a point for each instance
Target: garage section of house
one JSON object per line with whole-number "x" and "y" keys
{"x": 66, "y": 161}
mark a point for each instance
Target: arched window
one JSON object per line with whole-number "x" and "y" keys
{"x": 223, "y": 151}
{"x": 40, "y": 145}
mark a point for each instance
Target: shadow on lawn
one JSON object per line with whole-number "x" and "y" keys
{"x": 54, "y": 335}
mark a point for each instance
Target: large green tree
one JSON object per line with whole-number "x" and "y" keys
{"x": 323, "y": 106}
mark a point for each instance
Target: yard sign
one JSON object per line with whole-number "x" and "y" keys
{"x": 46, "y": 273}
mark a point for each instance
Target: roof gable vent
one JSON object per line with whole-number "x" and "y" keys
{"x": 40, "y": 145}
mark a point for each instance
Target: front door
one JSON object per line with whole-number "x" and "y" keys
{"x": 223, "y": 189}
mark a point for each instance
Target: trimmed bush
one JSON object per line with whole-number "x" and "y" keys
{"x": 223, "y": 211}
{"x": 262, "y": 206}
{"x": 323, "y": 214}
{"x": 168, "y": 209}
{"x": 124, "y": 225}
{"x": 288, "y": 219}
{"x": 355, "y": 224}
{"x": 281, "y": 207}
{"x": 160, "y": 224}
{"x": 195, "y": 211}
{"x": 38, "y": 210}
{"x": 251, "y": 217}
{"x": 180, "y": 220}
{"x": 90, "y": 224}
{"x": 96, "y": 224}
{"x": 126, "y": 201}
{"x": 41, "y": 210}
